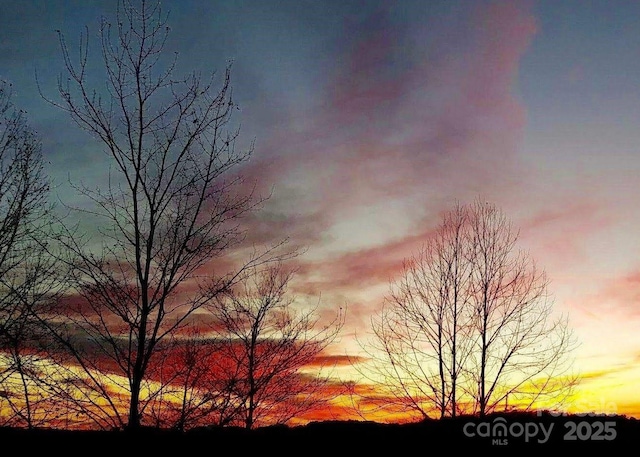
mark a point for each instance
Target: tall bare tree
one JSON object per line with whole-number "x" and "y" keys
{"x": 266, "y": 343}
{"x": 171, "y": 205}
{"x": 520, "y": 350}
{"x": 423, "y": 327}
{"x": 29, "y": 277}
{"x": 469, "y": 324}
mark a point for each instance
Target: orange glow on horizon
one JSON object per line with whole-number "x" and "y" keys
{"x": 597, "y": 394}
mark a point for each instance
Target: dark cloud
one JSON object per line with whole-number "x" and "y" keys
{"x": 330, "y": 360}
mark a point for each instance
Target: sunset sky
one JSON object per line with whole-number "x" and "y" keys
{"x": 372, "y": 118}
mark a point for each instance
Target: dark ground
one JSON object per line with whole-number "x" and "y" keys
{"x": 523, "y": 433}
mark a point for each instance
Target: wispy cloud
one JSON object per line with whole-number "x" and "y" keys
{"x": 396, "y": 127}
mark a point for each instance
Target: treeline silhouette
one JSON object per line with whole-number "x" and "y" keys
{"x": 347, "y": 437}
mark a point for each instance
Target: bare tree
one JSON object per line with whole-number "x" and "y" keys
{"x": 171, "y": 205}
{"x": 520, "y": 351}
{"x": 468, "y": 326}
{"x": 423, "y": 327}
{"x": 28, "y": 293}
{"x": 267, "y": 343}
{"x": 30, "y": 278}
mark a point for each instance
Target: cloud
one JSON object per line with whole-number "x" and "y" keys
{"x": 335, "y": 360}
{"x": 597, "y": 375}
{"x": 619, "y": 294}
{"x": 626, "y": 290}
{"x": 561, "y": 228}
{"x": 398, "y": 123}
{"x": 368, "y": 266}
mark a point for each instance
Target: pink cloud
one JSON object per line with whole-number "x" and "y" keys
{"x": 560, "y": 228}
{"x": 362, "y": 268}
{"x": 621, "y": 293}
{"x": 400, "y": 123}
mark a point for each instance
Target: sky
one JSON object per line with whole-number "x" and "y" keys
{"x": 372, "y": 118}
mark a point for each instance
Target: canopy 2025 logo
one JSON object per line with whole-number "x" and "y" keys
{"x": 500, "y": 432}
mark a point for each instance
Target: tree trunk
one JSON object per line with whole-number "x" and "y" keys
{"x": 133, "y": 422}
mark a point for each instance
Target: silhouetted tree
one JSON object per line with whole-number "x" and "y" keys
{"x": 423, "y": 327}
{"x": 170, "y": 206}
{"x": 468, "y": 327}
{"x": 30, "y": 279}
{"x": 267, "y": 340}
{"x": 521, "y": 354}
